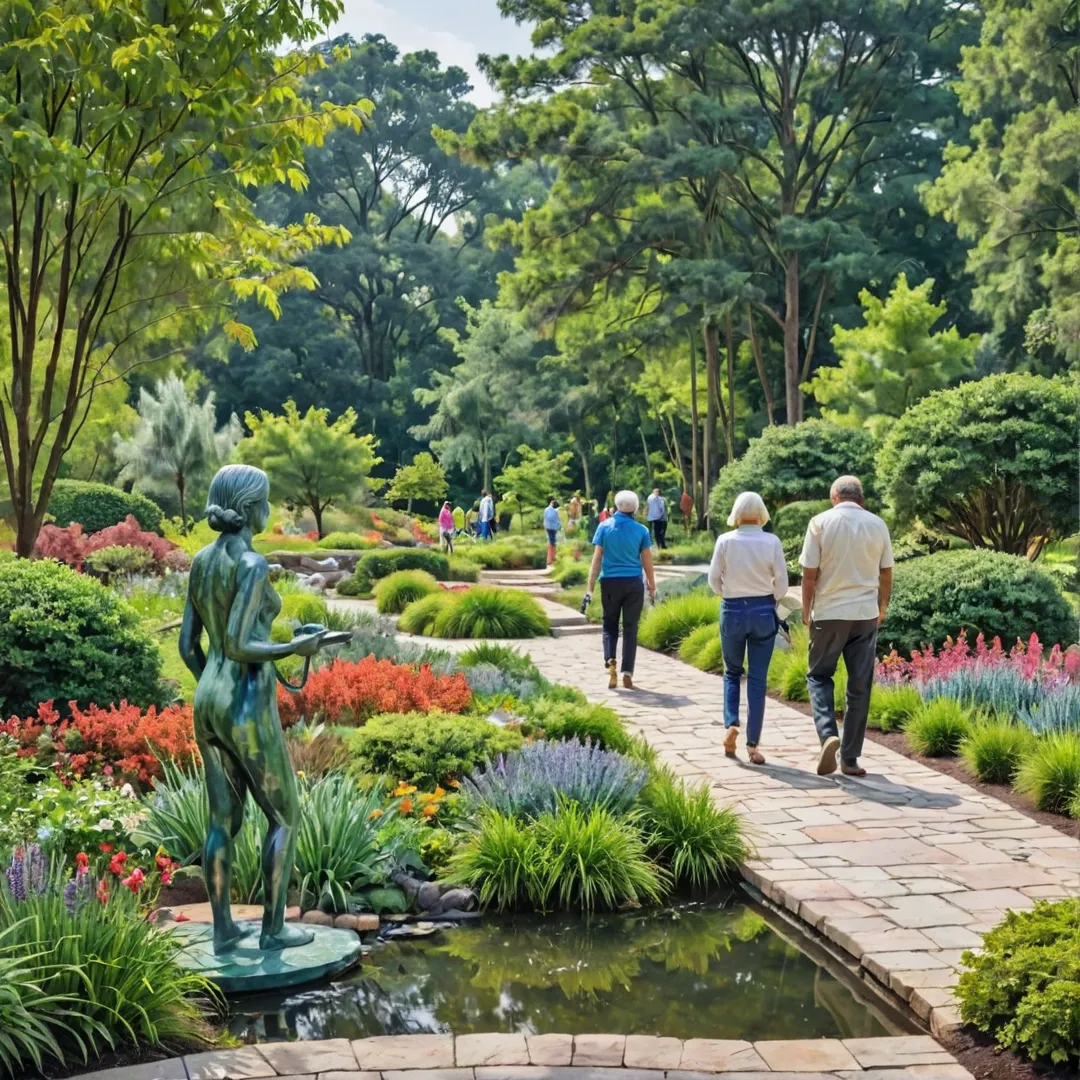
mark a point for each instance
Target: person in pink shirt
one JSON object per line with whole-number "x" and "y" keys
{"x": 446, "y": 528}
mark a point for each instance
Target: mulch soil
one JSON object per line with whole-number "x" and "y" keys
{"x": 974, "y": 1050}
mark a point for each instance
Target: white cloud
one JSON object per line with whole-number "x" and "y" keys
{"x": 458, "y": 30}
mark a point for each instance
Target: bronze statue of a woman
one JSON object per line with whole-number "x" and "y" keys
{"x": 231, "y": 597}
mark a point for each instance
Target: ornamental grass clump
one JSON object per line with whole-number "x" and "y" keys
{"x": 665, "y": 626}
{"x": 491, "y": 613}
{"x": 395, "y": 592}
{"x": 532, "y": 780}
{"x": 420, "y": 616}
{"x": 938, "y": 728}
{"x": 994, "y": 749}
{"x": 580, "y": 720}
{"x": 701, "y": 844}
{"x": 892, "y": 706}
{"x": 1023, "y": 987}
{"x": 701, "y": 649}
{"x": 1050, "y": 773}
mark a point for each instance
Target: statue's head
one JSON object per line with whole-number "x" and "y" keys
{"x": 239, "y": 496}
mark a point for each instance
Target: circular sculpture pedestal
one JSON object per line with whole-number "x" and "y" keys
{"x": 248, "y": 968}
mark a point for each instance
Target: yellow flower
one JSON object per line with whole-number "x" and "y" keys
{"x": 454, "y": 784}
{"x": 438, "y": 793}
{"x": 404, "y": 789}
{"x": 430, "y": 810}
{"x": 376, "y": 813}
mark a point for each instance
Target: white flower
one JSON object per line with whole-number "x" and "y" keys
{"x": 105, "y": 824}
{"x": 127, "y": 791}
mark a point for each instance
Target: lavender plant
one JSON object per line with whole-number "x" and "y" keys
{"x": 531, "y": 781}
{"x": 27, "y": 873}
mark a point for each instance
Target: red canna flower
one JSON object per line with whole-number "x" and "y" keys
{"x": 116, "y": 863}
{"x": 103, "y": 891}
{"x": 107, "y": 848}
{"x": 134, "y": 880}
{"x": 82, "y": 863}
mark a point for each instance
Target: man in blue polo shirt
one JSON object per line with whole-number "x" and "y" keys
{"x": 621, "y": 557}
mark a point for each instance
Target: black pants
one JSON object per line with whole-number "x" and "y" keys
{"x": 856, "y": 641}
{"x": 622, "y": 597}
{"x": 659, "y": 533}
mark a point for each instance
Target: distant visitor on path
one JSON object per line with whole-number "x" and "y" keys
{"x": 686, "y": 507}
{"x": 446, "y": 528}
{"x": 656, "y": 512}
{"x": 485, "y": 519}
{"x": 847, "y": 564}
{"x": 237, "y": 728}
{"x": 749, "y": 572}
{"x": 573, "y": 513}
{"x": 552, "y": 525}
{"x": 622, "y": 554}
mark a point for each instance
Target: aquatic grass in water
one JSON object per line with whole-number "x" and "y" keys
{"x": 531, "y": 781}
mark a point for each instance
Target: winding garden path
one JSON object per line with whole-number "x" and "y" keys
{"x": 902, "y": 870}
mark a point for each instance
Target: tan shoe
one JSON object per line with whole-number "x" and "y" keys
{"x": 730, "y": 740}
{"x": 755, "y": 755}
{"x": 827, "y": 758}
{"x": 628, "y": 680}
{"x": 612, "y": 675}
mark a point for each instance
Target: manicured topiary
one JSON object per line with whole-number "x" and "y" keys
{"x": 97, "y": 506}
{"x": 65, "y": 637}
{"x": 792, "y": 464}
{"x": 979, "y": 591}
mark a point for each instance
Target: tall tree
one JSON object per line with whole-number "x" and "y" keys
{"x": 130, "y": 135}
{"x": 422, "y": 478}
{"x": 176, "y": 444}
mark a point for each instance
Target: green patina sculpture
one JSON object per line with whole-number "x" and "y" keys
{"x": 231, "y": 597}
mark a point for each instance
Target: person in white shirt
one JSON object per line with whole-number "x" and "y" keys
{"x": 847, "y": 564}
{"x": 749, "y": 572}
{"x": 486, "y": 515}
{"x": 656, "y": 513}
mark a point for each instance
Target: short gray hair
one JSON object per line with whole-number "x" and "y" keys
{"x": 846, "y": 487}
{"x": 627, "y": 502}
{"x": 749, "y": 506}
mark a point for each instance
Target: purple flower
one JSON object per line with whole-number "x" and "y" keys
{"x": 26, "y": 874}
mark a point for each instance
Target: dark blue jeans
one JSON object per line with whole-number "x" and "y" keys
{"x": 552, "y": 535}
{"x": 747, "y": 630}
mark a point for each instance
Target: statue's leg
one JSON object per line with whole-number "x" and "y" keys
{"x": 226, "y": 788}
{"x": 273, "y": 786}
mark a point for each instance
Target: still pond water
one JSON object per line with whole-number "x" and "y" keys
{"x": 716, "y": 969}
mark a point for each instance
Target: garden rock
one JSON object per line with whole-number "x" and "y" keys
{"x": 317, "y": 918}
{"x": 309, "y": 563}
{"x": 359, "y": 923}
{"x": 433, "y": 898}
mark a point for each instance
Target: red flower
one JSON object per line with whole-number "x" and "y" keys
{"x": 166, "y": 877}
{"x": 82, "y": 862}
{"x": 134, "y": 880}
{"x": 116, "y": 863}
{"x": 163, "y": 862}
{"x": 181, "y": 918}
{"x": 105, "y": 847}
{"x": 103, "y": 891}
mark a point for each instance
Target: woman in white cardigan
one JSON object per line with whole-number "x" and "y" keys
{"x": 749, "y": 572}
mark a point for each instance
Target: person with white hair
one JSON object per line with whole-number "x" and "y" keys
{"x": 749, "y": 572}
{"x": 847, "y": 564}
{"x": 621, "y": 556}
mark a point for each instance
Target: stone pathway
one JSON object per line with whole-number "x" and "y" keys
{"x": 903, "y": 869}
{"x": 560, "y": 1057}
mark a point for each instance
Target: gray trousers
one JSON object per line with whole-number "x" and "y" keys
{"x": 856, "y": 641}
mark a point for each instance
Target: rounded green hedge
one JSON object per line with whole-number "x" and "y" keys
{"x": 65, "y": 637}
{"x": 395, "y": 592}
{"x": 97, "y": 506}
{"x": 789, "y": 522}
{"x": 978, "y": 591}
{"x": 378, "y": 564}
{"x": 794, "y": 464}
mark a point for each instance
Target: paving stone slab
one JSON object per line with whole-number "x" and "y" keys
{"x": 240, "y": 1064}
{"x": 317, "y": 1055}
{"x": 550, "y": 1049}
{"x": 720, "y": 1055}
{"x": 494, "y": 1048}
{"x": 598, "y": 1050}
{"x": 652, "y": 1052}
{"x": 806, "y": 1055}
{"x": 897, "y": 1052}
{"x": 532, "y": 1072}
{"x": 428, "y": 1074}
{"x": 389, "y": 1052}
{"x": 171, "y": 1069}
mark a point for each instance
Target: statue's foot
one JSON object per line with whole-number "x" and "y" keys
{"x": 288, "y": 937}
{"x": 227, "y": 938}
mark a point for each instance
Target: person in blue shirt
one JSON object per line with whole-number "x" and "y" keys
{"x": 552, "y": 525}
{"x": 622, "y": 557}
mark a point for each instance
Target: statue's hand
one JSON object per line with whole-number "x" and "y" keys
{"x": 307, "y": 644}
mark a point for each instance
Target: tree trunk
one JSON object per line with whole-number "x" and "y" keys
{"x": 180, "y": 486}
{"x": 486, "y": 461}
{"x": 615, "y": 452}
{"x": 585, "y": 472}
{"x": 645, "y": 452}
{"x": 759, "y": 362}
{"x": 729, "y": 431}
{"x": 408, "y": 505}
{"x": 793, "y": 395}
{"x": 712, "y": 396}
{"x": 680, "y": 462}
{"x": 693, "y": 422}
{"x": 317, "y": 511}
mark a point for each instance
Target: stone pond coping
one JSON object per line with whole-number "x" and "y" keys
{"x": 560, "y": 1057}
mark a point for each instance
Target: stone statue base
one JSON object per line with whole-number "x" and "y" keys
{"x": 248, "y": 968}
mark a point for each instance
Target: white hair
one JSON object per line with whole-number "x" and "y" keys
{"x": 627, "y": 502}
{"x": 846, "y": 487}
{"x": 749, "y": 506}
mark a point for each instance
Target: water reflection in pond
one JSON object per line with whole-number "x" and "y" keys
{"x": 713, "y": 970}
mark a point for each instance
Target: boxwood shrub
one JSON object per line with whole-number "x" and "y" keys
{"x": 978, "y": 591}
{"x": 97, "y": 506}
{"x": 66, "y": 637}
{"x": 377, "y": 564}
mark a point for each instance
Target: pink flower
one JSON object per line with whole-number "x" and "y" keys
{"x": 134, "y": 880}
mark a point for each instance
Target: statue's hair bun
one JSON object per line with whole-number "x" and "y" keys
{"x": 221, "y": 520}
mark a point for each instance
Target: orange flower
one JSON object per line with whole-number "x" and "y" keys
{"x": 438, "y": 793}
{"x": 405, "y": 806}
{"x": 404, "y": 789}
{"x": 376, "y": 813}
{"x": 453, "y": 783}
{"x": 430, "y": 810}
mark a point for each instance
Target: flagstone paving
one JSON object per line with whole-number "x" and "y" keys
{"x": 903, "y": 869}
{"x": 516, "y": 1056}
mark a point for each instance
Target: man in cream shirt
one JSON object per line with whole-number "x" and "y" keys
{"x": 847, "y": 564}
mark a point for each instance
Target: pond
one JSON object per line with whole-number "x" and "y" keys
{"x": 719, "y": 969}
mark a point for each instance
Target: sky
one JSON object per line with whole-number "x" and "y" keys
{"x": 458, "y": 30}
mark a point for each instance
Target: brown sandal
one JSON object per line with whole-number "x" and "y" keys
{"x": 755, "y": 756}
{"x": 730, "y": 740}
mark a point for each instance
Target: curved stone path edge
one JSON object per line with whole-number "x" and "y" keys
{"x": 559, "y": 1057}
